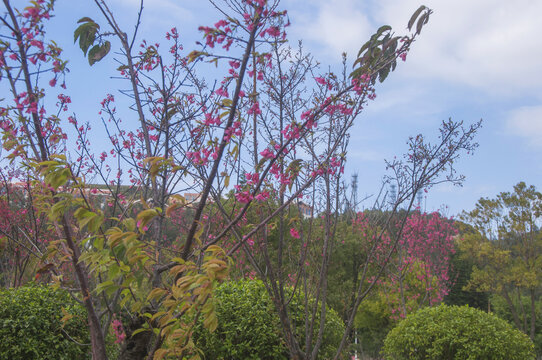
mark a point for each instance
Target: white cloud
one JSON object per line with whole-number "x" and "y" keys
{"x": 334, "y": 25}
{"x": 526, "y": 122}
{"x": 490, "y": 44}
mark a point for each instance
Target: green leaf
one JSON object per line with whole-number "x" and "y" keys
{"x": 393, "y": 64}
{"x": 357, "y": 73}
{"x": 110, "y": 290}
{"x": 101, "y": 287}
{"x": 95, "y": 222}
{"x": 129, "y": 223}
{"x": 85, "y": 19}
{"x": 381, "y": 30}
{"x": 415, "y": 16}
{"x": 171, "y": 113}
{"x": 156, "y": 293}
{"x": 211, "y": 322}
{"x": 113, "y": 271}
{"x": 57, "y": 210}
{"x": 383, "y": 74}
{"x": 56, "y": 177}
{"x": 99, "y": 243}
{"x": 98, "y": 52}
{"x": 421, "y": 22}
{"x": 145, "y": 217}
{"x": 363, "y": 48}
{"x": 391, "y": 45}
{"x": 235, "y": 151}
{"x": 86, "y": 33}
{"x": 295, "y": 165}
{"x": 198, "y": 234}
{"x": 139, "y": 331}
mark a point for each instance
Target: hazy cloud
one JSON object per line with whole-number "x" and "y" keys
{"x": 335, "y": 25}
{"x": 527, "y": 123}
{"x": 492, "y": 44}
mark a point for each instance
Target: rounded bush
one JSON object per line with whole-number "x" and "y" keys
{"x": 249, "y": 328}
{"x": 459, "y": 333}
{"x": 31, "y": 325}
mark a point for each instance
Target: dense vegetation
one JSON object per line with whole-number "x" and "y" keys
{"x": 249, "y": 328}
{"x": 37, "y": 322}
{"x": 456, "y": 333}
{"x": 259, "y": 154}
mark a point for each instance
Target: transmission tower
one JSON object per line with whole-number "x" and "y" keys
{"x": 354, "y": 196}
{"x": 393, "y": 194}
{"x": 351, "y": 201}
{"x": 419, "y": 199}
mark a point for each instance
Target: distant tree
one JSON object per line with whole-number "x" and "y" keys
{"x": 460, "y": 275}
{"x": 270, "y": 132}
{"x": 507, "y": 250}
{"x": 24, "y": 236}
{"x": 419, "y": 274}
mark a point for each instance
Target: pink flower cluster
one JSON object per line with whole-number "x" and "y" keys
{"x": 118, "y": 330}
{"x": 235, "y": 129}
{"x": 267, "y": 154}
{"x": 210, "y": 120}
{"x": 243, "y": 196}
{"x": 216, "y": 35}
{"x": 202, "y": 156}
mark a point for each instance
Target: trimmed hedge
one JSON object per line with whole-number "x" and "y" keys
{"x": 249, "y": 328}
{"x": 31, "y": 326}
{"x": 459, "y": 333}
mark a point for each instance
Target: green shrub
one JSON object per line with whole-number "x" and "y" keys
{"x": 31, "y": 326}
{"x": 249, "y": 328}
{"x": 372, "y": 323}
{"x": 453, "y": 332}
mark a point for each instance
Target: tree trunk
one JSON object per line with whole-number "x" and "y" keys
{"x": 512, "y": 309}
{"x": 533, "y": 314}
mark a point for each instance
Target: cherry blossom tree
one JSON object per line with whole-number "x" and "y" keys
{"x": 505, "y": 249}
{"x": 419, "y": 273}
{"x": 272, "y": 132}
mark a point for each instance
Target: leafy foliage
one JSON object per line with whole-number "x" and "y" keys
{"x": 506, "y": 250}
{"x": 460, "y": 274}
{"x": 249, "y": 328}
{"x": 501, "y": 308}
{"x": 373, "y": 321}
{"x": 37, "y": 322}
{"x": 87, "y": 34}
{"x": 452, "y": 332}
{"x": 379, "y": 54}
{"x": 271, "y": 115}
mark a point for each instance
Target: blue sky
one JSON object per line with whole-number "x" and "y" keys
{"x": 475, "y": 59}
